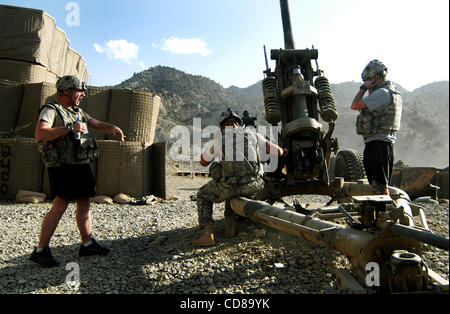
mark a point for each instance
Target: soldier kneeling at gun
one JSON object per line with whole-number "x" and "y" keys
{"x": 240, "y": 175}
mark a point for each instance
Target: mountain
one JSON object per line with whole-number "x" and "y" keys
{"x": 185, "y": 96}
{"x": 423, "y": 139}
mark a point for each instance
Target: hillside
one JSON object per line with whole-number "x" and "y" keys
{"x": 423, "y": 138}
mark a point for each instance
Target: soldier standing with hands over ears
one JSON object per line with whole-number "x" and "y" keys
{"x": 378, "y": 122}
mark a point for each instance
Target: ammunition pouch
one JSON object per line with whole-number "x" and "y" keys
{"x": 364, "y": 123}
{"x": 58, "y": 152}
{"x": 50, "y": 152}
{"x": 86, "y": 149}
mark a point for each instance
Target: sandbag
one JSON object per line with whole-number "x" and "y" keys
{"x": 122, "y": 198}
{"x": 102, "y": 199}
{"x": 30, "y": 197}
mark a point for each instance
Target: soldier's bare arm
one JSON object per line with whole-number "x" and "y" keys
{"x": 106, "y": 128}
{"x": 271, "y": 147}
{"x": 207, "y": 157}
{"x": 358, "y": 103}
{"x": 45, "y": 133}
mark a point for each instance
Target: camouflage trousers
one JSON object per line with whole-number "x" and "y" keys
{"x": 218, "y": 192}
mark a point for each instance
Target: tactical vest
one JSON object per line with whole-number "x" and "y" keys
{"x": 386, "y": 119}
{"x": 68, "y": 149}
{"x": 240, "y": 162}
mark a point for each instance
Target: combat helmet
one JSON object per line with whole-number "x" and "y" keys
{"x": 230, "y": 114}
{"x": 373, "y": 68}
{"x": 70, "y": 82}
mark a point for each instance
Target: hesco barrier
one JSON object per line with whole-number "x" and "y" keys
{"x": 130, "y": 168}
{"x": 25, "y": 72}
{"x": 33, "y": 53}
{"x": 136, "y": 113}
{"x": 75, "y": 65}
{"x": 58, "y": 58}
{"x": 34, "y": 96}
{"x": 122, "y": 167}
{"x": 33, "y": 49}
{"x": 10, "y": 99}
{"x": 27, "y": 34}
{"x": 96, "y": 104}
{"x": 126, "y": 167}
{"x": 20, "y": 167}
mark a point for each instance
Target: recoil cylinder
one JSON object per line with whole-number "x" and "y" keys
{"x": 272, "y": 102}
{"x": 327, "y": 106}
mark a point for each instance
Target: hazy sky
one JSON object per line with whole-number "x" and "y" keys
{"x": 223, "y": 39}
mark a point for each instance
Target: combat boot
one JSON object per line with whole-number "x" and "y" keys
{"x": 230, "y": 229}
{"x": 207, "y": 237}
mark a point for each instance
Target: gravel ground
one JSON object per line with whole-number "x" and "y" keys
{"x": 151, "y": 251}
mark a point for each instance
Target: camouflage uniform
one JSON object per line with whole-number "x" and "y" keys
{"x": 234, "y": 178}
{"x": 217, "y": 192}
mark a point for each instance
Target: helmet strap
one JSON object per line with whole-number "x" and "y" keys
{"x": 70, "y": 97}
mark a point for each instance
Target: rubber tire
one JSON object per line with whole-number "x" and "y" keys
{"x": 349, "y": 165}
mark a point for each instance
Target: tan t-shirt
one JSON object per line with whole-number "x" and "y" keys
{"x": 51, "y": 116}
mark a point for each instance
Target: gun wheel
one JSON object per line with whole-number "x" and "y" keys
{"x": 349, "y": 165}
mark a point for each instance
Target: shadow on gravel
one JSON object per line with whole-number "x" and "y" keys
{"x": 165, "y": 262}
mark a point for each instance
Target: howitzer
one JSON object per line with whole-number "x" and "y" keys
{"x": 384, "y": 233}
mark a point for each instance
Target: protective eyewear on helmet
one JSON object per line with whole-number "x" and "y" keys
{"x": 365, "y": 79}
{"x": 82, "y": 88}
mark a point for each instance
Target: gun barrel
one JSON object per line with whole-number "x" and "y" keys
{"x": 287, "y": 27}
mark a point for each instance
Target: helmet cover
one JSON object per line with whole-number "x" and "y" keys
{"x": 373, "y": 68}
